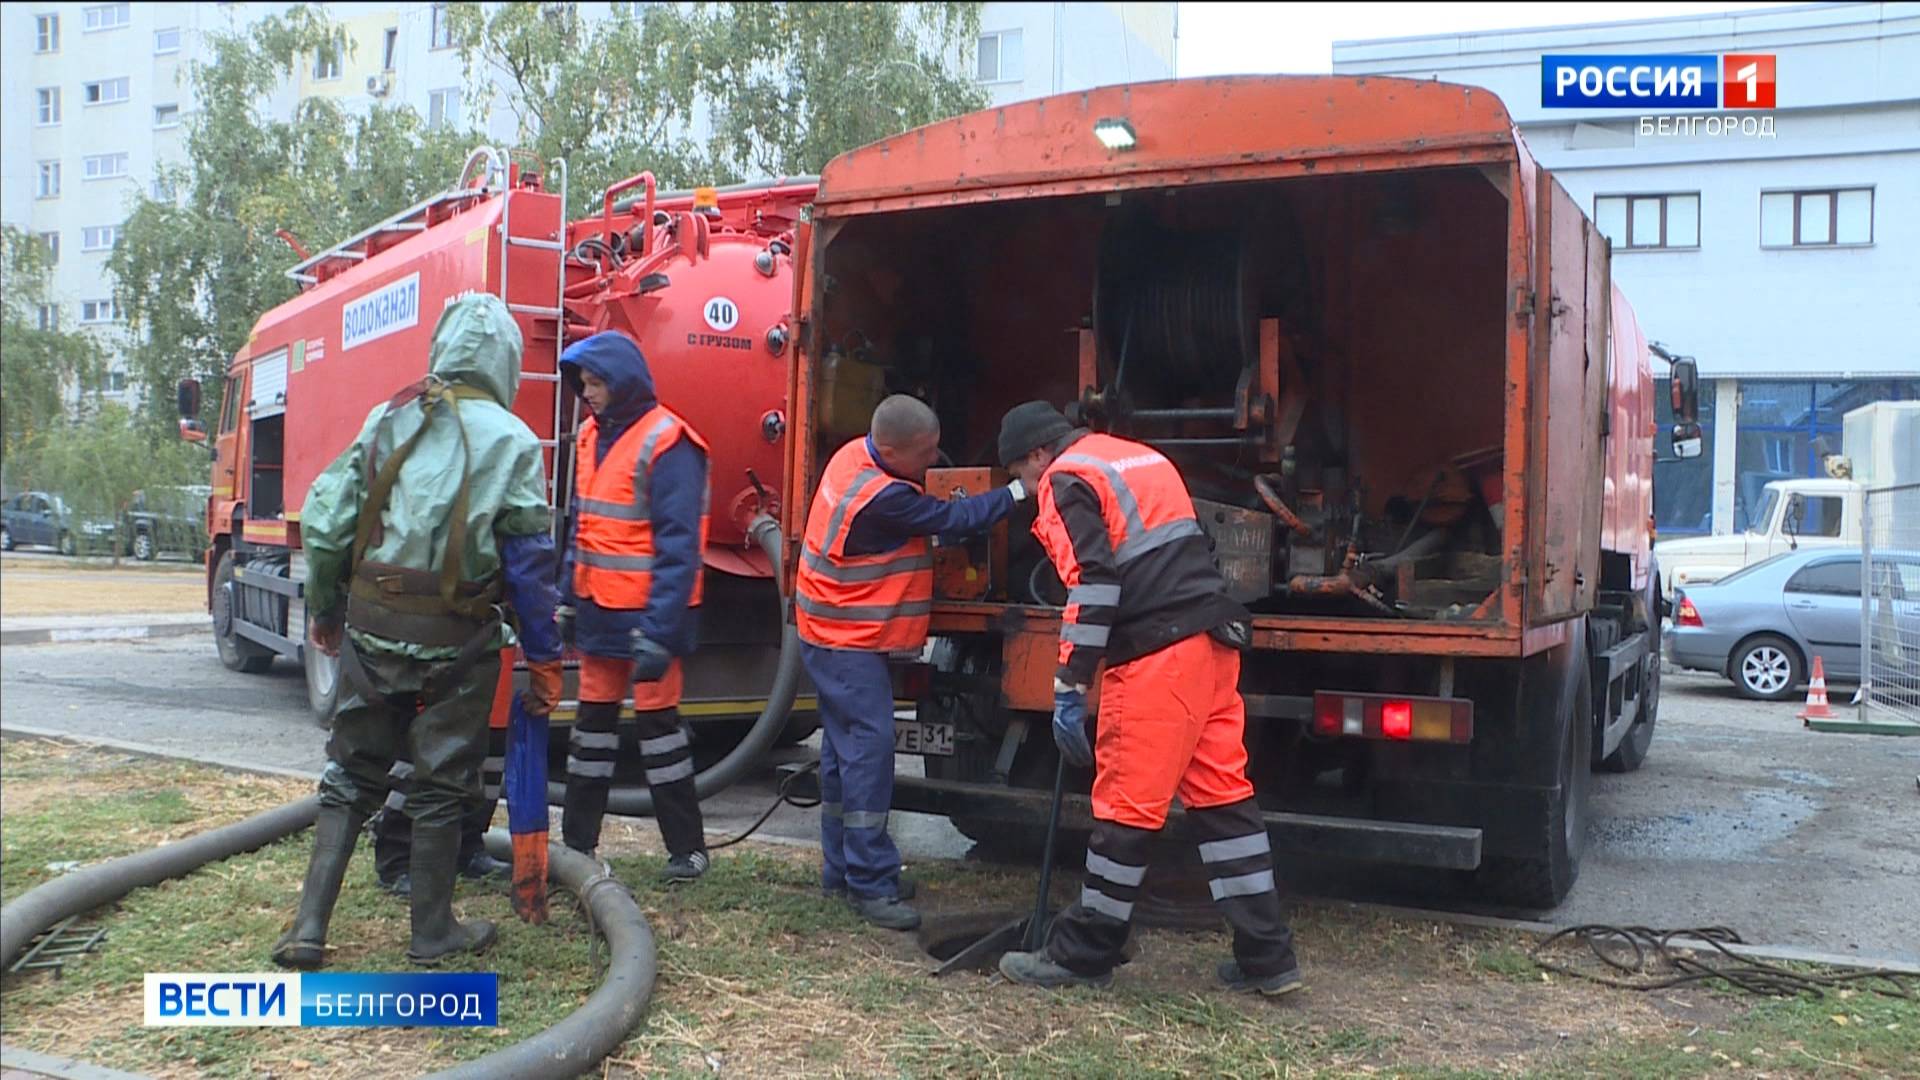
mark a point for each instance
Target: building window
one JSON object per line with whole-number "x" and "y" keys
{"x": 162, "y": 189}
{"x": 116, "y": 381}
{"x": 326, "y": 61}
{"x": 49, "y": 317}
{"x": 390, "y": 49}
{"x": 443, "y": 108}
{"x": 50, "y": 244}
{"x": 999, "y": 58}
{"x": 1835, "y": 217}
{"x": 105, "y": 91}
{"x": 99, "y": 237}
{"x": 442, "y": 32}
{"x": 49, "y": 105}
{"x": 1649, "y": 221}
{"x": 100, "y": 311}
{"x": 109, "y": 16}
{"x": 46, "y": 33}
{"x": 166, "y": 116}
{"x": 49, "y": 185}
{"x": 1683, "y": 487}
{"x": 1787, "y": 430}
{"x": 104, "y": 166}
{"x": 167, "y": 40}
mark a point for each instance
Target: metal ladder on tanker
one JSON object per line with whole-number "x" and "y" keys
{"x": 544, "y": 316}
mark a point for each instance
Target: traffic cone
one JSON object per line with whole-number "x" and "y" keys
{"x": 1817, "y": 708}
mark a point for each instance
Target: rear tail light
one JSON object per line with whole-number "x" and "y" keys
{"x": 1688, "y": 615}
{"x": 1388, "y": 716}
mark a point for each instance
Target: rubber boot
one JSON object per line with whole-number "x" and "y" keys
{"x": 304, "y": 945}
{"x": 437, "y": 934}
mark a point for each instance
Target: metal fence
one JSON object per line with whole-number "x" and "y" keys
{"x": 1890, "y": 608}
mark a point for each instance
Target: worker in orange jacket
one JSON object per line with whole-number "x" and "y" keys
{"x": 865, "y": 592}
{"x": 632, "y": 594}
{"x": 1144, "y": 596}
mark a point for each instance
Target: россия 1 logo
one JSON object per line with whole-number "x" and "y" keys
{"x": 1657, "y": 81}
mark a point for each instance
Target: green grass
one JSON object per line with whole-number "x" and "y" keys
{"x": 760, "y": 973}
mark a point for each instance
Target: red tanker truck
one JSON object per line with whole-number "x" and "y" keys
{"x": 702, "y": 280}
{"x": 1383, "y": 346}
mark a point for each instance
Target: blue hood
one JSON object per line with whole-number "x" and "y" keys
{"x": 614, "y": 359}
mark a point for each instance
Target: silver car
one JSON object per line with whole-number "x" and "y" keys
{"x": 1762, "y": 626}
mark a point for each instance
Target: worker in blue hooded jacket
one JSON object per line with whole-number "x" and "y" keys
{"x": 632, "y": 593}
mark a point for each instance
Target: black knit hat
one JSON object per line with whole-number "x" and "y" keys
{"x": 1028, "y": 427}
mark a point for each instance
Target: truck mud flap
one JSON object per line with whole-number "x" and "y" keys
{"x": 1440, "y": 847}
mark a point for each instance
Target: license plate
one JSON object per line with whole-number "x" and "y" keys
{"x": 918, "y": 737}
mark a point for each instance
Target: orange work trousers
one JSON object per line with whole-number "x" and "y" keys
{"x": 605, "y": 678}
{"x": 1170, "y": 723}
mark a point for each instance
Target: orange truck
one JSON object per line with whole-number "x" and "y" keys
{"x": 1385, "y": 349}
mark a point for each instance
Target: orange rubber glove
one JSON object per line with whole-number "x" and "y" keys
{"x": 543, "y": 687}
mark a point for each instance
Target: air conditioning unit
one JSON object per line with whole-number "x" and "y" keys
{"x": 380, "y": 85}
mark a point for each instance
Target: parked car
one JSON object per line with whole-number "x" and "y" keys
{"x": 1762, "y": 625}
{"x": 37, "y": 519}
{"x": 168, "y": 519}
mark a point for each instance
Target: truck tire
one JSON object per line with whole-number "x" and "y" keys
{"x": 236, "y": 652}
{"x": 323, "y": 680}
{"x": 66, "y": 544}
{"x": 143, "y": 547}
{"x": 998, "y": 839}
{"x": 1766, "y": 667}
{"x": 6, "y": 539}
{"x": 1541, "y": 880}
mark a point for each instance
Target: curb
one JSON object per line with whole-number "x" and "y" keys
{"x": 44, "y": 635}
{"x": 23, "y": 731}
{"x": 38, "y": 1065}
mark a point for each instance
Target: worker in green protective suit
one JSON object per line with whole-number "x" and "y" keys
{"x": 419, "y": 539}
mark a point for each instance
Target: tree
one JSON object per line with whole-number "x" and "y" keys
{"x": 784, "y": 86}
{"x": 195, "y": 276}
{"x": 98, "y": 461}
{"x": 39, "y": 364}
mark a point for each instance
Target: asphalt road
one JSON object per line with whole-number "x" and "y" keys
{"x": 1739, "y": 818}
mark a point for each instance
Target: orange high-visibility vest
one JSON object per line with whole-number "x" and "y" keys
{"x": 1143, "y": 501}
{"x": 613, "y": 536}
{"x": 873, "y": 603}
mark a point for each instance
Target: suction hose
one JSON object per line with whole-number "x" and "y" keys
{"x": 723, "y": 774}
{"x": 83, "y": 890}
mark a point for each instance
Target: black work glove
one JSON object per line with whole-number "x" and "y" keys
{"x": 650, "y": 659}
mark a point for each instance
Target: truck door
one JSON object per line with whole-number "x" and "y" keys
{"x": 1567, "y": 376}
{"x": 1823, "y": 603}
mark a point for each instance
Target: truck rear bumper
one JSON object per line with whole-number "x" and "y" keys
{"x": 1442, "y": 847}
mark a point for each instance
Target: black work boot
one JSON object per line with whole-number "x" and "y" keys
{"x": 1039, "y": 969}
{"x": 481, "y": 866}
{"x": 304, "y": 945}
{"x": 886, "y": 912}
{"x": 437, "y": 934}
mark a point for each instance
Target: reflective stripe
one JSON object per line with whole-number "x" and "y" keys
{"x": 1083, "y": 634}
{"x": 857, "y": 613}
{"x": 494, "y": 764}
{"x": 667, "y": 774}
{"x": 491, "y": 792}
{"x": 594, "y": 740}
{"x": 1157, "y": 537}
{"x": 1094, "y": 900}
{"x": 1118, "y": 873}
{"x": 901, "y": 562}
{"x": 842, "y": 504}
{"x": 643, "y": 467}
{"x": 589, "y": 769}
{"x": 830, "y": 810}
{"x": 396, "y": 800}
{"x": 865, "y": 819}
{"x": 1122, "y": 494}
{"x": 1239, "y": 847}
{"x": 620, "y": 511}
{"x": 665, "y": 744}
{"x": 1094, "y": 595}
{"x": 1244, "y": 885}
{"x": 400, "y": 770}
{"x": 614, "y": 562}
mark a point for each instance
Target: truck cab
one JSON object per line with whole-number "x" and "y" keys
{"x": 1793, "y": 514}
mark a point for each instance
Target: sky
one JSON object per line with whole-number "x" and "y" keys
{"x": 1244, "y": 38}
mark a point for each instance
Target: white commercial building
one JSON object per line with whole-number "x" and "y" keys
{"x": 1788, "y": 265}
{"x": 96, "y": 96}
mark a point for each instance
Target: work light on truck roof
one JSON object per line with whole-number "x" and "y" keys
{"x": 1115, "y": 133}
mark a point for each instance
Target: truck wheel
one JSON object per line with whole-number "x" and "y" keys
{"x": 143, "y": 546}
{"x": 6, "y": 539}
{"x": 66, "y": 545}
{"x": 997, "y": 838}
{"x": 236, "y": 652}
{"x": 1542, "y": 880}
{"x": 1767, "y": 668}
{"x": 323, "y": 680}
